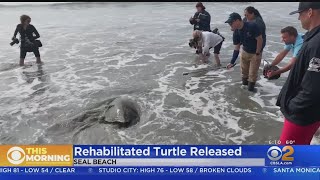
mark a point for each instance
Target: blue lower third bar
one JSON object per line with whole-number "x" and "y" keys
{"x": 157, "y": 170}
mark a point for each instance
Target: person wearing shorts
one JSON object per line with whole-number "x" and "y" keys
{"x": 205, "y": 41}
{"x": 27, "y": 32}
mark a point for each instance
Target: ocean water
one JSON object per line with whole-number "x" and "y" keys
{"x": 93, "y": 52}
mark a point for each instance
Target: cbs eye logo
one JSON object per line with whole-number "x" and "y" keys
{"x": 16, "y": 155}
{"x": 275, "y": 153}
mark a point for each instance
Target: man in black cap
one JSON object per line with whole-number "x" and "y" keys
{"x": 201, "y": 19}
{"x": 299, "y": 99}
{"x": 249, "y": 36}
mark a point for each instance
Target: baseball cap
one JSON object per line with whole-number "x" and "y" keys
{"x": 306, "y": 5}
{"x": 232, "y": 17}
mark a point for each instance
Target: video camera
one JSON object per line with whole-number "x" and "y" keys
{"x": 194, "y": 44}
{"x": 14, "y": 41}
{"x": 216, "y": 31}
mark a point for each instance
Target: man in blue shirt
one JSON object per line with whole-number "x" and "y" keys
{"x": 293, "y": 41}
{"x": 249, "y": 36}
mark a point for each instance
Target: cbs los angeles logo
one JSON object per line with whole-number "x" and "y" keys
{"x": 16, "y": 155}
{"x": 283, "y": 155}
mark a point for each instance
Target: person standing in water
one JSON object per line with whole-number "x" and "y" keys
{"x": 247, "y": 35}
{"x": 299, "y": 98}
{"x": 253, "y": 15}
{"x": 28, "y": 43}
{"x": 201, "y": 19}
{"x": 204, "y": 42}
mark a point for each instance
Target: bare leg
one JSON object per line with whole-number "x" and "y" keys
{"x": 21, "y": 61}
{"x": 23, "y": 54}
{"x": 37, "y": 55}
{"x": 203, "y": 58}
{"x": 206, "y": 58}
{"x": 216, "y": 57}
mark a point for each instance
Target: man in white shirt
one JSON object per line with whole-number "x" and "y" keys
{"x": 205, "y": 41}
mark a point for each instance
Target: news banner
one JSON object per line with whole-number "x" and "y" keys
{"x": 245, "y": 160}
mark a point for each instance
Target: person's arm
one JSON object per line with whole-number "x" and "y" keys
{"x": 291, "y": 62}
{"x": 235, "y": 55}
{"x": 255, "y": 30}
{"x": 236, "y": 51}
{"x": 310, "y": 87}
{"x": 283, "y": 69}
{"x": 288, "y": 66}
{"x": 15, "y": 32}
{"x": 205, "y": 19}
{"x": 205, "y": 51}
{"x": 259, "y": 44}
{"x": 192, "y": 19}
{"x": 280, "y": 57}
{"x": 203, "y": 56}
{"x": 260, "y": 23}
{"x": 208, "y": 20}
{"x": 36, "y": 33}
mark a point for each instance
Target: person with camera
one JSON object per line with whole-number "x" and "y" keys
{"x": 293, "y": 41}
{"x": 28, "y": 40}
{"x": 203, "y": 41}
{"x": 201, "y": 19}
